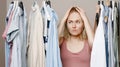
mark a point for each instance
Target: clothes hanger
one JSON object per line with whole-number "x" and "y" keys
{"x": 115, "y": 4}
{"x": 34, "y": 2}
{"x": 103, "y": 3}
{"x": 111, "y": 4}
{"x": 21, "y": 5}
{"x": 12, "y": 2}
{"x": 98, "y": 2}
{"x": 97, "y": 14}
{"x": 48, "y": 2}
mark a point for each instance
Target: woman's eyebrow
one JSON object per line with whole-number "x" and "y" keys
{"x": 69, "y": 20}
{"x": 78, "y": 20}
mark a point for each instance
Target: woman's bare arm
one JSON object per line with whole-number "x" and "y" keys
{"x": 61, "y": 27}
{"x": 88, "y": 27}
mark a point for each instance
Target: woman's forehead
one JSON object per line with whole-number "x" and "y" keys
{"x": 74, "y": 15}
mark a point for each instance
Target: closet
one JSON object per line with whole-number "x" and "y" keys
{"x": 56, "y": 5}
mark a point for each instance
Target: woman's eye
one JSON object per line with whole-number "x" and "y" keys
{"x": 70, "y": 22}
{"x": 77, "y": 21}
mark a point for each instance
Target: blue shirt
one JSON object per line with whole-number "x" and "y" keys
{"x": 52, "y": 48}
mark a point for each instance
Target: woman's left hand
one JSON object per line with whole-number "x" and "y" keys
{"x": 82, "y": 13}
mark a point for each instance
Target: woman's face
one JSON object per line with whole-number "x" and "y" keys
{"x": 74, "y": 24}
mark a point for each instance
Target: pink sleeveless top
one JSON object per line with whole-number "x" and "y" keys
{"x": 80, "y": 59}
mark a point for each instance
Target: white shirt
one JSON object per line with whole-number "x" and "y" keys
{"x": 98, "y": 57}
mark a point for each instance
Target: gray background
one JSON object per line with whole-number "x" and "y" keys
{"x": 60, "y": 6}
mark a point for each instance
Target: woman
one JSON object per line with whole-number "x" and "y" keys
{"x": 75, "y": 38}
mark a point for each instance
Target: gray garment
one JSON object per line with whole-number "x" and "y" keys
{"x": 119, "y": 29}
{"x": 115, "y": 36}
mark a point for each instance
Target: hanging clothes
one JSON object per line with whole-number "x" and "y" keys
{"x": 110, "y": 34}
{"x": 7, "y": 46}
{"x": 115, "y": 35}
{"x": 119, "y": 29}
{"x": 105, "y": 28}
{"x": 15, "y": 37}
{"x": 52, "y": 46}
{"x": 35, "y": 43}
{"x": 46, "y": 22}
{"x": 98, "y": 56}
{"x": 17, "y": 32}
{"x": 23, "y": 33}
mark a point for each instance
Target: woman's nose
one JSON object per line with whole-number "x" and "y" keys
{"x": 73, "y": 25}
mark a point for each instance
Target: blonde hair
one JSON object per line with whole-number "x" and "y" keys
{"x": 65, "y": 31}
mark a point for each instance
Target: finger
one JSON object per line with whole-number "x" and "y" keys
{"x": 66, "y": 15}
{"x": 80, "y": 9}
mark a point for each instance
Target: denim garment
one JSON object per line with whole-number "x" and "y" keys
{"x": 105, "y": 24}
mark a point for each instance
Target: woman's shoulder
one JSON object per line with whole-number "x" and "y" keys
{"x": 88, "y": 44}
{"x": 86, "y": 40}
{"x": 61, "y": 40}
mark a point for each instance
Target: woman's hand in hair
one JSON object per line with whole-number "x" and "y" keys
{"x": 87, "y": 25}
{"x": 82, "y": 13}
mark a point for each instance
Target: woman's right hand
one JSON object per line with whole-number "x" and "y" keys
{"x": 98, "y": 9}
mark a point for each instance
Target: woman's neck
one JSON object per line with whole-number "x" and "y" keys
{"x": 74, "y": 39}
